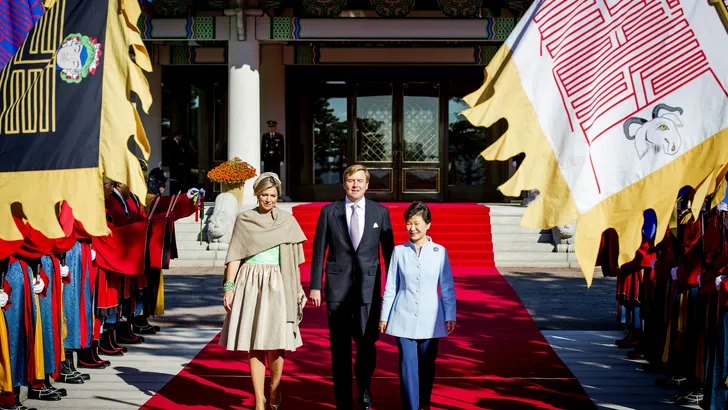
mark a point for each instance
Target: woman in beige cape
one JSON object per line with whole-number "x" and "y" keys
{"x": 264, "y": 298}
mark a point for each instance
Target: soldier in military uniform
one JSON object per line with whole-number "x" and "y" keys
{"x": 271, "y": 149}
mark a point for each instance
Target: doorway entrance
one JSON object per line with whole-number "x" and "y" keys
{"x": 402, "y": 122}
{"x": 194, "y": 103}
{"x": 399, "y": 138}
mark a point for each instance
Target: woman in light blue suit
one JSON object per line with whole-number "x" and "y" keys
{"x": 412, "y": 310}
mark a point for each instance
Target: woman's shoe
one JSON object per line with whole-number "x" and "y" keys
{"x": 276, "y": 406}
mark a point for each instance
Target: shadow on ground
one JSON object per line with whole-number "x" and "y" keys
{"x": 192, "y": 301}
{"x": 560, "y": 300}
{"x": 556, "y": 299}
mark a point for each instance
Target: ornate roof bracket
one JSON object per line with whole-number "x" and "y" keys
{"x": 392, "y": 8}
{"x": 324, "y": 8}
{"x": 461, "y": 8}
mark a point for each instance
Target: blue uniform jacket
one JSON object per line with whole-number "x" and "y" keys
{"x": 412, "y": 306}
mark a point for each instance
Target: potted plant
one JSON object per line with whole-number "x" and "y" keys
{"x": 231, "y": 175}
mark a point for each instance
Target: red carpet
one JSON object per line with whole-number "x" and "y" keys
{"x": 464, "y": 229}
{"x": 496, "y": 359}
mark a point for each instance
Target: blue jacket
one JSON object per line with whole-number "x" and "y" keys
{"x": 412, "y": 306}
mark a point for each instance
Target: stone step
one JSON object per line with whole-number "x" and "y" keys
{"x": 510, "y": 228}
{"x": 198, "y": 255}
{"x": 522, "y": 247}
{"x": 193, "y": 227}
{"x": 531, "y": 237}
{"x": 191, "y": 219}
{"x": 505, "y": 210}
{"x": 193, "y": 245}
{"x": 190, "y": 236}
{"x": 506, "y": 220}
{"x": 531, "y": 257}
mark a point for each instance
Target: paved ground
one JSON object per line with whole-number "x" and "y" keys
{"x": 560, "y": 300}
{"x": 579, "y": 322}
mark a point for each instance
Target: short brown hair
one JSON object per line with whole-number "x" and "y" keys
{"x": 353, "y": 169}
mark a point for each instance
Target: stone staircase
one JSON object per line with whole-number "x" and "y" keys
{"x": 517, "y": 247}
{"x": 514, "y": 246}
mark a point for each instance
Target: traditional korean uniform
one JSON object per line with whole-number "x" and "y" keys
{"x": 716, "y": 389}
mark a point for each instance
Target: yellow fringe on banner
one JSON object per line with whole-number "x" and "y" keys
{"x": 38, "y": 348}
{"x": 6, "y": 372}
{"x": 159, "y": 309}
{"x": 64, "y": 329}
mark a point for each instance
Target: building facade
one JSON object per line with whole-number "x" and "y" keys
{"x": 378, "y": 82}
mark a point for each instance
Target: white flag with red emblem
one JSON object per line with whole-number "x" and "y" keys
{"x": 617, "y": 104}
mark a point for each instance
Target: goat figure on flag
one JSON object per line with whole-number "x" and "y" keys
{"x": 617, "y": 105}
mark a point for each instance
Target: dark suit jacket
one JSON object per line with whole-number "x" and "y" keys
{"x": 348, "y": 270}
{"x": 174, "y": 154}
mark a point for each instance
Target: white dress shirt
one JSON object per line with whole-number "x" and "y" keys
{"x": 359, "y": 213}
{"x": 411, "y": 305}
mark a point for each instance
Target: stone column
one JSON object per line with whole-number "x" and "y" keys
{"x": 244, "y": 102}
{"x": 273, "y": 96}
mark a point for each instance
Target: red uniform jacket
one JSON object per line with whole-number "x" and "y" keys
{"x": 691, "y": 260}
{"x": 666, "y": 260}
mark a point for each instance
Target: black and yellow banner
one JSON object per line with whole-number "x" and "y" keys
{"x": 66, "y": 117}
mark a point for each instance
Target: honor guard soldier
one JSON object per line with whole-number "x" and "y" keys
{"x": 271, "y": 149}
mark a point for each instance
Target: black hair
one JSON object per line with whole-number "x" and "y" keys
{"x": 418, "y": 208}
{"x": 178, "y": 132}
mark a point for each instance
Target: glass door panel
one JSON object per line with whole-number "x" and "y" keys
{"x": 421, "y": 124}
{"x": 330, "y": 139}
{"x": 420, "y": 138}
{"x": 375, "y": 134}
{"x": 467, "y": 166}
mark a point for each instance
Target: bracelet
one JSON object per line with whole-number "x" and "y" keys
{"x": 228, "y": 285}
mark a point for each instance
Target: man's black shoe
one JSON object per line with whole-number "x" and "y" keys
{"x": 671, "y": 382}
{"x": 43, "y": 394}
{"x": 691, "y": 399}
{"x": 69, "y": 378}
{"x": 365, "y": 400}
{"x": 61, "y": 392}
{"x": 83, "y": 376}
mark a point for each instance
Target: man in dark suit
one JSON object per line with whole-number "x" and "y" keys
{"x": 352, "y": 230}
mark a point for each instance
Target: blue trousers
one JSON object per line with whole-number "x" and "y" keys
{"x": 416, "y": 371}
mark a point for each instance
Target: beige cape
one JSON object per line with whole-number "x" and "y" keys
{"x": 255, "y": 232}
